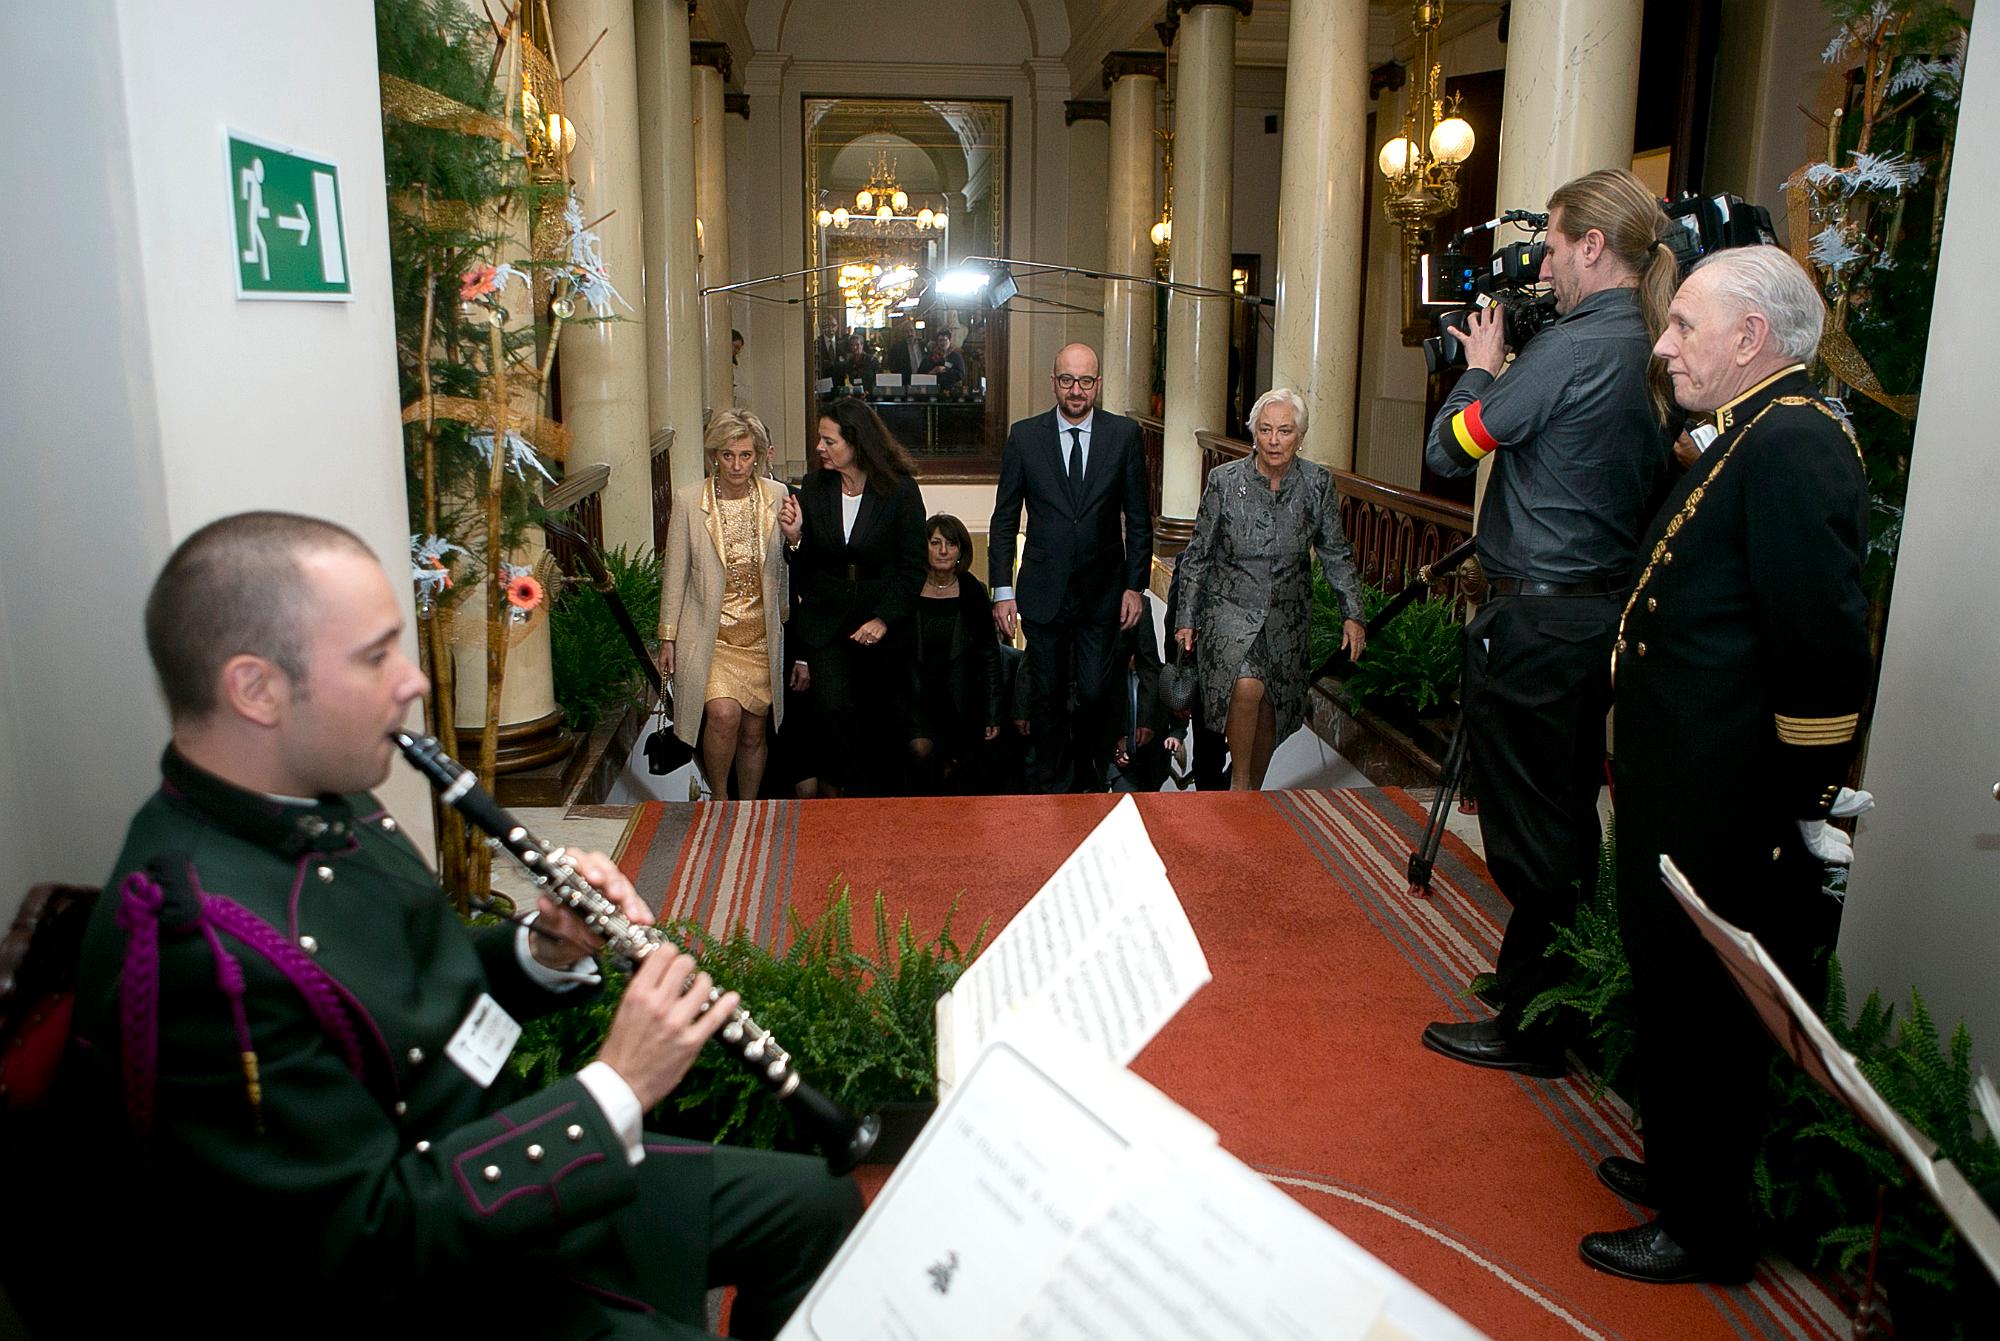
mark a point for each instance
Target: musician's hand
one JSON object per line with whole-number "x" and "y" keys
{"x": 560, "y": 939}
{"x": 659, "y": 1026}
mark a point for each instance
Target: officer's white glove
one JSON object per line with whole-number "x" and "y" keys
{"x": 1829, "y": 844}
{"x": 1851, "y": 803}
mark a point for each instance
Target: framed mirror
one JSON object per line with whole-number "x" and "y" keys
{"x": 899, "y": 192}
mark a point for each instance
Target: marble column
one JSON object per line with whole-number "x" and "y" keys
{"x": 1572, "y": 94}
{"x": 1197, "y": 326}
{"x": 1571, "y": 100}
{"x": 666, "y": 169}
{"x": 604, "y": 363}
{"x": 1133, "y": 78}
{"x": 711, "y": 192}
{"x": 1322, "y": 192}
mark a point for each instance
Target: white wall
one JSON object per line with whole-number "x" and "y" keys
{"x": 145, "y": 400}
{"x": 1923, "y": 907}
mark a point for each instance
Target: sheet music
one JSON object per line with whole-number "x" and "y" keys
{"x": 1806, "y": 1039}
{"x": 1053, "y": 1198}
{"x": 1104, "y": 947}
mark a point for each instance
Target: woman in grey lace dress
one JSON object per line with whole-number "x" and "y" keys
{"x": 1246, "y": 586}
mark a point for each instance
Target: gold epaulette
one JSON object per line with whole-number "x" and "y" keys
{"x": 1816, "y": 730}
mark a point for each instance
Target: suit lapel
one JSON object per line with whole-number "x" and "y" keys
{"x": 1095, "y": 469}
{"x": 1054, "y": 439}
{"x": 713, "y": 520}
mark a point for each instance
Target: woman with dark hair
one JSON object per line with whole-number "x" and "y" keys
{"x": 955, "y": 685}
{"x": 856, "y": 545}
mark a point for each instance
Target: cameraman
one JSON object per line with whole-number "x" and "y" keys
{"x": 1577, "y": 429}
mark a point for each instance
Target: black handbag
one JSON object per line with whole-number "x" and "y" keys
{"x": 1179, "y": 678}
{"x": 665, "y": 751}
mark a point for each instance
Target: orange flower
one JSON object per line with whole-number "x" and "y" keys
{"x": 477, "y": 282}
{"x": 437, "y": 562}
{"x": 524, "y": 593}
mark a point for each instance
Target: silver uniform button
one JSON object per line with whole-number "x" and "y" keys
{"x": 416, "y": 1056}
{"x": 491, "y": 1173}
{"x": 309, "y": 945}
{"x": 534, "y": 1154}
{"x": 325, "y": 874}
{"x": 401, "y": 1108}
{"x": 574, "y": 1132}
{"x": 388, "y": 824}
{"x": 423, "y": 1147}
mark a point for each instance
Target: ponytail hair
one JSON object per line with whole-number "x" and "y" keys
{"x": 1628, "y": 215}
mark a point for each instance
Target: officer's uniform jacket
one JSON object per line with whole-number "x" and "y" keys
{"x": 1742, "y": 664}
{"x": 361, "y": 1170}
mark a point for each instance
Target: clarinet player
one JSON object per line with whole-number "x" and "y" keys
{"x": 296, "y": 1054}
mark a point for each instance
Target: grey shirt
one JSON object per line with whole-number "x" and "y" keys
{"x": 1580, "y": 451}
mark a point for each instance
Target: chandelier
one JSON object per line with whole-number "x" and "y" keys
{"x": 882, "y": 201}
{"x": 874, "y": 289}
{"x": 1421, "y": 164}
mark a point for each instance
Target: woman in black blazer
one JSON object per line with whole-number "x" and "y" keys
{"x": 955, "y": 685}
{"x": 857, "y": 555}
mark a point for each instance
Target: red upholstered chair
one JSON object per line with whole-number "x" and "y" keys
{"x": 38, "y": 965}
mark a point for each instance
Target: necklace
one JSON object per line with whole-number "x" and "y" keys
{"x": 951, "y": 581}
{"x": 854, "y": 492}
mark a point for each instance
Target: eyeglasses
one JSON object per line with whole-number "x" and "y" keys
{"x": 1068, "y": 380}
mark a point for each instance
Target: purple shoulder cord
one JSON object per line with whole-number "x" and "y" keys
{"x": 139, "y": 1005}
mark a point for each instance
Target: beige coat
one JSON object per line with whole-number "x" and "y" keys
{"x": 692, "y": 582}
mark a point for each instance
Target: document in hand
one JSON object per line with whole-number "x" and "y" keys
{"x": 1806, "y": 1040}
{"x": 1054, "y": 1197}
{"x": 1104, "y": 949}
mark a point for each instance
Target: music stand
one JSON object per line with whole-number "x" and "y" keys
{"x": 1806, "y": 1040}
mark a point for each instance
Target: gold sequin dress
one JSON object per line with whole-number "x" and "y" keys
{"x": 742, "y": 666}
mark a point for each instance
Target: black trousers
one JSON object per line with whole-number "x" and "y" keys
{"x": 860, "y": 715}
{"x": 1702, "y": 1053}
{"x": 1070, "y": 716}
{"x": 1537, "y": 690}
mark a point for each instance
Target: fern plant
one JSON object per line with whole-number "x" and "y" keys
{"x": 861, "y": 1026}
{"x": 594, "y": 670}
{"x": 1598, "y": 988}
{"x": 1818, "y": 1168}
{"x": 1411, "y": 663}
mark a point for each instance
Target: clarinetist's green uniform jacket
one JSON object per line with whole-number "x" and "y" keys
{"x": 363, "y": 1176}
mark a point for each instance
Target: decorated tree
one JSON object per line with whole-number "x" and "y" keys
{"x": 1867, "y": 219}
{"x": 491, "y": 256}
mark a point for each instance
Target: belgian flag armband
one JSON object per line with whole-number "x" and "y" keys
{"x": 1469, "y": 431}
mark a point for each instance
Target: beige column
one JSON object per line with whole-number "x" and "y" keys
{"x": 1198, "y": 327}
{"x": 604, "y": 362}
{"x": 1572, "y": 94}
{"x": 1133, "y": 78}
{"x": 1571, "y": 100}
{"x": 711, "y": 193}
{"x": 1321, "y": 195}
{"x": 666, "y": 170}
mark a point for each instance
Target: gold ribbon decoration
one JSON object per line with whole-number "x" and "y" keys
{"x": 416, "y": 105}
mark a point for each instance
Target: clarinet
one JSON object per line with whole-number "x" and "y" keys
{"x": 844, "y": 1137}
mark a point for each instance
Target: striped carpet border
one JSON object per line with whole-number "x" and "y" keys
{"x": 1363, "y": 838}
{"x": 736, "y": 869}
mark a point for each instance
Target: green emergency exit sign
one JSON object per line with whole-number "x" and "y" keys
{"x": 289, "y": 239}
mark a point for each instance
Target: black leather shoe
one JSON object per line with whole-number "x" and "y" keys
{"x": 1648, "y": 1253}
{"x": 1626, "y": 1177}
{"x": 1484, "y": 1043}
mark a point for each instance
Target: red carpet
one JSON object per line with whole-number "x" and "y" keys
{"x": 1303, "y": 1052}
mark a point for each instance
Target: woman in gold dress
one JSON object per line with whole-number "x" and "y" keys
{"x": 723, "y": 599}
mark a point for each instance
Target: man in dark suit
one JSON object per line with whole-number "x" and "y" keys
{"x": 1079, "y": 470}
{"x": 1742, "y": 669}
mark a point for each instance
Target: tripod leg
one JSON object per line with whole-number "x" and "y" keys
{"x": 1425, "y": 857}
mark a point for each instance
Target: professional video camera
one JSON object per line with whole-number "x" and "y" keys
{"x": 1701, "y": 224}
{"x": 1510, "y": 282}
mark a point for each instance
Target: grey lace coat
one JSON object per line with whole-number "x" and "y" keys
{"x": 1248, "y": 569}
